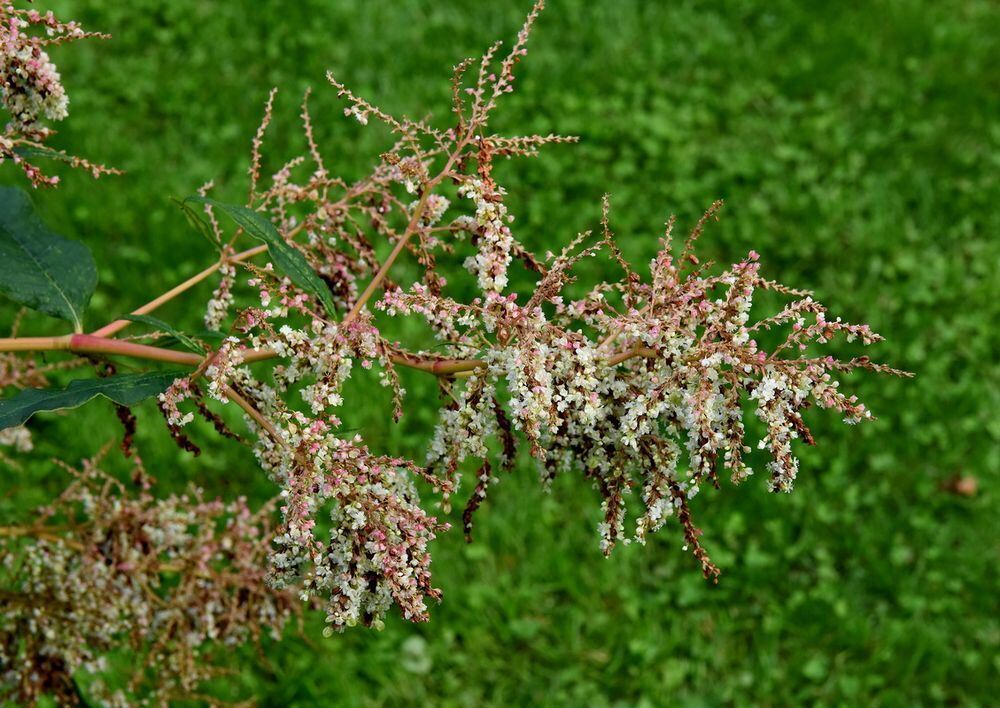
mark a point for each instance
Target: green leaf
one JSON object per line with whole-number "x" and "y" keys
{"x": 195, "y": 219}
{"x": 159, "y": 324}
{"x": 287, "y": 259}
{"x": 39, "y": 268}
{"x": 126, "y": 390}
{"x": 30, "y": 152}
{"x": 207, "y": 335}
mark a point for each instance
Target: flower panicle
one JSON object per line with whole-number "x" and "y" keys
{"x": 31, "y": 90}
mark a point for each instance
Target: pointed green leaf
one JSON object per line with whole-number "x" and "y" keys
{"x": 287, "y": 259}
{"x": 201, "y": 335}
{"x": 126, "y": 390}
{"x": 162, "y": 326}
{"x": 196, "y": 221}
{"x": 32, "y": 152}
{"x": 39, "y": 268}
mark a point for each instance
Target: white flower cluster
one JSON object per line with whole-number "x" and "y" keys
{"x": 178, "y": 392}
{"x": 446, "y": 317}
{"x": 434, "y": 208}
{"x": 494, "y": 237}
{"x": 464, "y": 430}
{"x": 375, "y": 553}
{"x": 30, "y": 87}
{"x": 223, "y": 368}
{"x": 70, "y": 601}
{"x": 358, "y": 113}
{"x": 690, "y": 360}
{"x": 31, "y": 90}
{"x": 18, "y": 437}
{"x": 777, "y": 404}
{"x": 222, "y": 298}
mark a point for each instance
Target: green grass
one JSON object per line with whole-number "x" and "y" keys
{"x": 857, "y": 145}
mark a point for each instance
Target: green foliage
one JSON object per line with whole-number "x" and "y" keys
{"x": 124, "y": 389}
{"x": 161, "y": 326}
{"x": 857, "y": 146}
{"x": 41, "y": 269}
{"x": 31, "y": 152}
{"x": 287, "y": 259}
{"x": 197, "y": 222}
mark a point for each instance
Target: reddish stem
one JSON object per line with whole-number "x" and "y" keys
{"x": 118, "y": 325}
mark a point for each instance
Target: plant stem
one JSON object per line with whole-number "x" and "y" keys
{"x": 35, "y": 344}
{"x": 243, "y": 403}
{"x": 92, "y": 344}
{"x": 118, "y": 325}
{"x": 438, "y": 367}
{"x": 411, "y": 228}
{"x": 630, "y": 354}
{"x": 40, "y": 533}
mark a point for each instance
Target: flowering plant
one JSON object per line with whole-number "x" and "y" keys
{"x": 32, "y": 90}
{"x": 640, "y": 384}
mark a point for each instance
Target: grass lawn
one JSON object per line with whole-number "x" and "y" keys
{"x": 857, "y": 146}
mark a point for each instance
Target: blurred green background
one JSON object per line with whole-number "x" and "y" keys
{"x": 857, "y": 145}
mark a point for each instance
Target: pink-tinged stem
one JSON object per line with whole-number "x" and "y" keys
{"x": 630, "y": 354}
{"x": 411, "y": 228}
{"x": 92, "y": 344}
{"x": 438, "y": 367}
{"x": 118, "y": 325}
{"x": 263, "y": 422}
